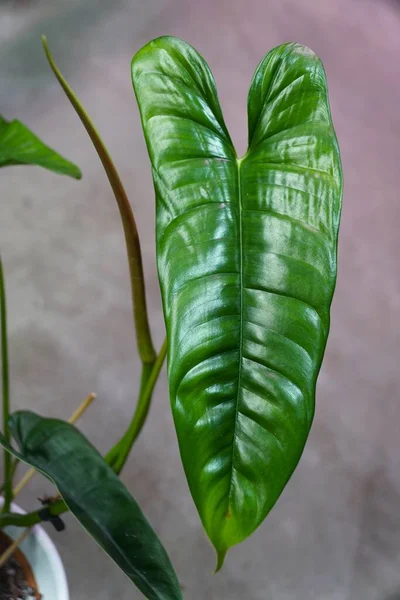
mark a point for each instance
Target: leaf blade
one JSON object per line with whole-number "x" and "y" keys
{"x": 19, "y": 146}
{"x": 246, "y": 252}
{"x": 98, "y": 499}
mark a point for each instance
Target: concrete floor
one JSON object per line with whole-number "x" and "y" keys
{"x": 335, "y": 533}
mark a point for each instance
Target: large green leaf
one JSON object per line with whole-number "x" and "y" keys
{"x": 98, "y": 499}
{"x": 19, "y": 146}
{"x": 247, "y": 263}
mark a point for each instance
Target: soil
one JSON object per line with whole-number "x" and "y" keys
{"x": 16, "y": 578}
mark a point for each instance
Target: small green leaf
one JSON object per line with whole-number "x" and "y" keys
{"x": 97, "y": 498}
{"x": 19, "y": 146}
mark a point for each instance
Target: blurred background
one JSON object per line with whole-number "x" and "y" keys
{"x": 335, "y": 532}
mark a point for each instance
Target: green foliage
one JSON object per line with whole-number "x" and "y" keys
{"x": 246, "y": 252}
{"x": 97, "y": 498}
{"x": 151, "y": 362}
{"x": 19, "y": 146}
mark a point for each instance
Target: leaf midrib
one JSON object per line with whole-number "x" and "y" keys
{"x": 240, "y": 213}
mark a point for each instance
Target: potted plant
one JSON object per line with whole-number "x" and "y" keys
{"x": 30, "y": 563}
{"x": 246, "y": 251}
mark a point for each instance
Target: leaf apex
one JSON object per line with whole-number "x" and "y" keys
{"x": 77, "y": 174}
{"x": 220, "y": 560}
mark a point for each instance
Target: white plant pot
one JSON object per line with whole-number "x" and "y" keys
{"x": 44, "y": 560}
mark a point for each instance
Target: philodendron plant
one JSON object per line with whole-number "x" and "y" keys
{"x": 246, "y": 253}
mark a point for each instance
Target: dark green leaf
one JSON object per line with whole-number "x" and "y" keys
{"x": 246, "y": 254}
{"x": 19, "y": 146}
{"x": 98, "y": 499}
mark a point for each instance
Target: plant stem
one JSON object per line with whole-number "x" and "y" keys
{"x": 15, "y": 463}
{"x": 6, "y": 393}
{"x": 32, "y": 518}
{"x": 118, "y": 455}
{"x": 143, "y": 335}
{"x": 150, "y": 361}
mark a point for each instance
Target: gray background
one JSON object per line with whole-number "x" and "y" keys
{"x": 335, "y": 533}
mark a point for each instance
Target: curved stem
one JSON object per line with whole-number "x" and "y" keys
{"x": 144, "y": 341}
{"x": 8, "y": 467}
{"x": 118, "y": 455}
{"x": 151, "y": 364}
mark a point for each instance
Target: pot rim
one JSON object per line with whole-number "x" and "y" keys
{"x": 44, "y": 540}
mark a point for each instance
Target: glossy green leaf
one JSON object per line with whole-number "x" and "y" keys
{"x": 247, "y": 263}
{"x": 19, "y": 146}
{"x": 98, "y": 499}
